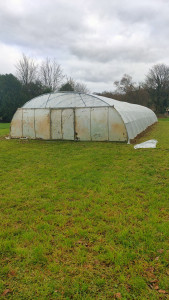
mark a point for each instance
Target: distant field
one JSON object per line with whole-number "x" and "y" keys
{"x": 84, "y": 220}
{"x": 4, "y": 129}
{"x": 164, "y": 119}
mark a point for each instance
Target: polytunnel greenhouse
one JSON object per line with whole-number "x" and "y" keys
{"x": 78, "y": 116}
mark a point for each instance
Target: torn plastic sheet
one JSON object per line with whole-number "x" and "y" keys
{"x": 147, "y": 144}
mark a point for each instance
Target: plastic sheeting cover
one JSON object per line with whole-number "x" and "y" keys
{"x": 147, "y": 144}
{"x": 135, "y": 117}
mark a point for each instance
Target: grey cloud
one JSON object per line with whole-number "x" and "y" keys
{"x": 46, "y": 26}
{"x": 94, "y": 40}
{"x": 105, "y": 54}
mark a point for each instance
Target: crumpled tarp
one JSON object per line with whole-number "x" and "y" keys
{"x": 147, "y": 144}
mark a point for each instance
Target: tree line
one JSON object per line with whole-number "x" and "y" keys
{"x": 33, "y": 79}
{"x": 153, "y": 92}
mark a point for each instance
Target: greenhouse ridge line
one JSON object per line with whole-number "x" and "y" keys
{"x": 61, "y": 94}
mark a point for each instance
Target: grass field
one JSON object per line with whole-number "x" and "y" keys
{"x": 84, "y": 220}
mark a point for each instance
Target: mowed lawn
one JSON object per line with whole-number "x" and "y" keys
{"x": 84, "y": 220}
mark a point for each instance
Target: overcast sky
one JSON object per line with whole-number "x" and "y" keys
{"x": 94, "y": 41}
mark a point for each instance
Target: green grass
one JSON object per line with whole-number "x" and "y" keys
{"x": 84, "y": 220}
{"x": 165, "y": 119}
{"x": 4, "y": 129}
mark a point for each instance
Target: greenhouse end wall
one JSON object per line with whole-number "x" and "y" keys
{"x": 85, "y": 124}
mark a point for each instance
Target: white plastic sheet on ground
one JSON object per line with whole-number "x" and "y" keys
{"x": 147, "y": 144}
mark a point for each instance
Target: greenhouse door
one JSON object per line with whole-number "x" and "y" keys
{"x": 68, "y": 124}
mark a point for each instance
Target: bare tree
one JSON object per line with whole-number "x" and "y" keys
{"x": 81, "y": 88}
{"x": 157, "y": 84}
{"x": 75, "y": 86}
{"x": 125, "y": 85}
{"x": 158, "y": 76}
{"x": 26, "y": 69}
{"x": 51, "y": 74}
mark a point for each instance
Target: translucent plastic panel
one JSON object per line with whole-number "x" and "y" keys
{"x": 117, "y": 130}
{"x": 65, "y": 100}
{"x": 99, "y": 124}
{"x": 82, "y": 124}
{"x": 56, "y": 124}
{"x": 29, "y": 123}
{"x": 68, "y": 124}
{"x": 42, "y": 123}
{"x": 16, "y": 124}
{"x": 38, "y": 102}
{"x": 92, "y": 101}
